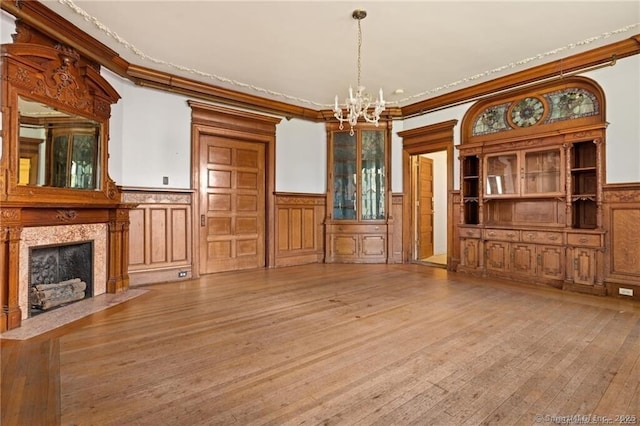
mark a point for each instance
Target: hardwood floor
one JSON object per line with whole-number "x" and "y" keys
{"x": 332, "y": 344}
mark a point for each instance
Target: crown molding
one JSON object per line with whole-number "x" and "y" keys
{"x": 48, "y": 22}
{"x": 558, "y": 69}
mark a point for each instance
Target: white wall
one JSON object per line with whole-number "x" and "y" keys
{"x": 621, "y": 85}
{"x": 301, "y": 157}
{"x": 7, "y": 27}
{"x": 396, "y": 157}
{"x": 115, "y": 128}
{"x": 151, "y": 135}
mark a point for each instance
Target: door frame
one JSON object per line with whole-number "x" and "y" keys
{"x": 423, "y": 140}
{"x": 417, "y": 193}
{"x": 244, "y": 126}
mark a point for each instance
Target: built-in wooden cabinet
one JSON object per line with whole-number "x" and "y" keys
{"x": 531, "y": 165}
{"x": 357, "y": 226}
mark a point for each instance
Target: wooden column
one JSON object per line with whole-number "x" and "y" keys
{"x": 11, "y": 316}
{"x": 118, "y": 263}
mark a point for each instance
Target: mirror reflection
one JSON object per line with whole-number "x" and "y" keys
{"x": 57, "y": 149}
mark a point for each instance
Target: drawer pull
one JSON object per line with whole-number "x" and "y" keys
{"x": 531, "y": 236}
{"x": 510, "y": 235}
{"x": 377, "y": 228}
{"x": 583, "y": 240}
{"x": 491, "y": 234}
{"x": 553, "y": 237}
{"x": 470, "y": 233}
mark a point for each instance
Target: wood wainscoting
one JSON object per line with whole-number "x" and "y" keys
{"x": 622, "y": 259}
{"x": 160, "y": 235}
{"x": 396, "y": 249}
{"x": 299, "y": 228}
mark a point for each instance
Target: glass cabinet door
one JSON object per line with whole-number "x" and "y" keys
{"x": 74, "y": 157}
{"x": 502, "y": 174}
{"x": 542, "y": 172}
{"x": 60, "y": 162}
{"x": 344, "y": 176}
{"x": 83, "y": 158}
{"x": 372, "y": 179}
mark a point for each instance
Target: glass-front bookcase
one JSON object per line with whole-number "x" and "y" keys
{"x": 359, "y": 175}
{"x": 358, "y": 193}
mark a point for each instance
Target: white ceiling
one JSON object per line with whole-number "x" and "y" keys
{"x": 304, "y": 52}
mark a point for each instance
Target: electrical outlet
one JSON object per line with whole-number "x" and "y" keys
{"x": 165, "y": 180}
{"x": 625, "y": 291}
{"x": 182, "y": 274}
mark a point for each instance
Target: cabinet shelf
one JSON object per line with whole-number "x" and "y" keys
{"x": 583, "y": 170}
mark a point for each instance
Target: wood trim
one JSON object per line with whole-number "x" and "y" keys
{"x": 171, "y": 83}
{"x": 396, "y": 238}
{"x": 423, "y": 140}
{"x": 299, "y": 228}
{"x": 248, "y": 126}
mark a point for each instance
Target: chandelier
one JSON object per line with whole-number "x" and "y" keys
{"x": 358, "y": 106}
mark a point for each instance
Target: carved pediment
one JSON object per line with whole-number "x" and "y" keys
{"x": 58, "y": 73}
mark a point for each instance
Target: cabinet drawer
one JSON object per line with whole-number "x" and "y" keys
{"x": 542, "y": 237}
{"x": 357, "y": 229}
{"x": 470, "y": 233}
{"x": 502, "y": 234}
{"x": 589, "y": 240}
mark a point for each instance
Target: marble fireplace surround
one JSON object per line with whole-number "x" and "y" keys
{"x": 63, "y": 234}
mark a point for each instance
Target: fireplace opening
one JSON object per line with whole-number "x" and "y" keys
{"x": 59, "y": 275}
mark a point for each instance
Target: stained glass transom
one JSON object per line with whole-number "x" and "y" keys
{"x": 571, "y": 103}
{"x": 491, "y": 120}
{"x": 565, "y": 104}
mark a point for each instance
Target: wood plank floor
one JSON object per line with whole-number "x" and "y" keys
{"x": 332, "y": 344}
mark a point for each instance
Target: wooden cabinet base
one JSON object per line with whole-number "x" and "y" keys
{"x": 598, "y": 290}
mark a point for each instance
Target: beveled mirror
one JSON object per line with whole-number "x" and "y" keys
{"x": 56, "y": 148}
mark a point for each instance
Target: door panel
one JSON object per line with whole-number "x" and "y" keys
{"x": 425, "y": 215}
{"x": 232, "y": 204}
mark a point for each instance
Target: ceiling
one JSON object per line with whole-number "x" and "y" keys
{"x": 304, "y": 52}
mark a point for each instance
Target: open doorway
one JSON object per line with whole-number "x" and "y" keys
{"x": 429, "y": 219}
{"x": 428, "y": 222}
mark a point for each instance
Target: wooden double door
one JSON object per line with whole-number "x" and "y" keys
{"x": 232, "y": 204}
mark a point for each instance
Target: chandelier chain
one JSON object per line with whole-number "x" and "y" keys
{"x": 359, "y": 50}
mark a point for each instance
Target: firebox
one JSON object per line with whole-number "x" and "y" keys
{"x": 59, "y": 275}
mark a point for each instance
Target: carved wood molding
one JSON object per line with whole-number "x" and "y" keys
{"x": 622, "y": 196}
{"x": 154, "y": 197}
{"x": 300, "y": 199}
